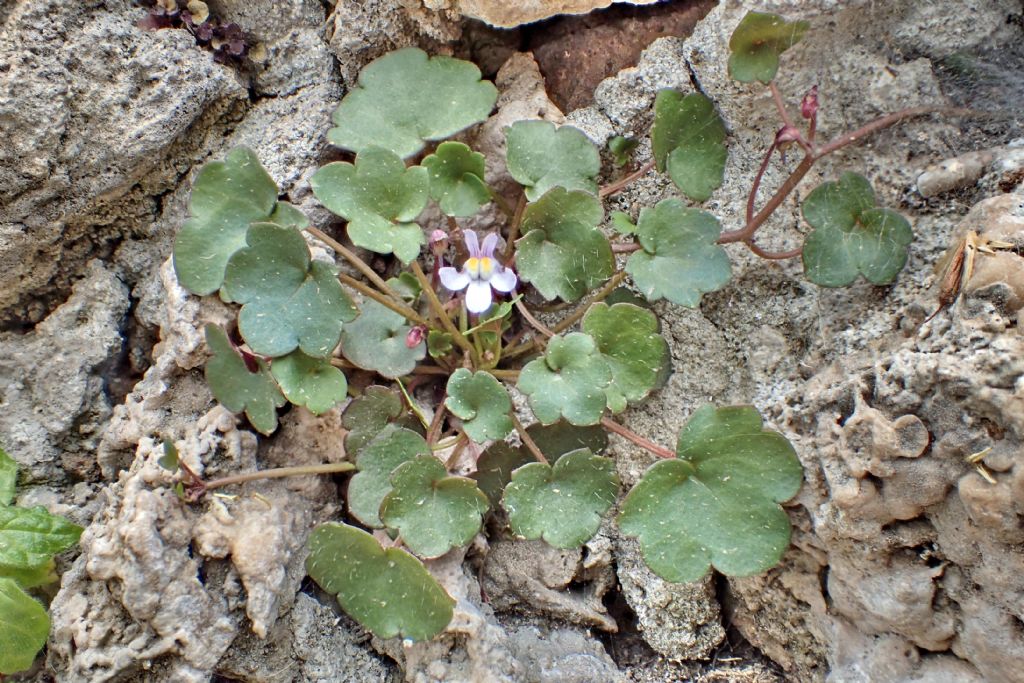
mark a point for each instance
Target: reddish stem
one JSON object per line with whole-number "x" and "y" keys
{"x": 775, "y": 256}
{"x": 613, "y": 426}
{"x": 624, "y": 182}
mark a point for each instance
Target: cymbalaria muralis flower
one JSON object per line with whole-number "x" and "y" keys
{"x": 479, "y": 273}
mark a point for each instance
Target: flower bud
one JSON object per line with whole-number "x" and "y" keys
{"x": 809, "y": 105}
{"x": 786, "y": 135}
{"x": 438, "y": 242}
{"x": 415, "y": 336}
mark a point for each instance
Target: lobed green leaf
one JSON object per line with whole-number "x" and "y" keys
{"x": 433, "y": 512}
{"x": 288, "y": 300}
{"x": 238, "y": 389}
{"x": 310, "y": 382}
{"x": 388, "y": 591}
{"x": 25, "y": 626}
{"x": 568, "y": 381}
{"x": 227, "y": 196}
{"x": 367, "y": 415}
{"x": 481, "y": 402}
{"x": 851, "y": 236}
{"x": 688, "y": 139}
{"x": 758, "y": 41}
{"x": 540, "y": 156}
{"x": 376, "y": 341}
{"x": 564, "y": 503}
{"x": 379, "y": 197}
{"x": 29, "y": 538}
{"x": 375, "y": 462}
{"x": 628, "y": 338}
{"x": 8, "y": 478}
{"x": 457, "y": 179}
{"x": 680, "y": 260}
{"x": 405, "y": 98}
{"x": 717, "y": 504}
{"x": 562, "y": 251}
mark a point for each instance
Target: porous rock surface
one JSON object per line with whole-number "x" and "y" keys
{"x": 906, "y": 563}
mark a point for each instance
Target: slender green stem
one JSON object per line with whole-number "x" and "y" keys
{"x": 511, "y": 375}
{"x": 438, "y": 308}
{"x": 350, "y": 256}
{"x": 399, "y": 308}
{"x": 613, "y": 426}
{"x": 513, "y": 228}
{"x": 624, "y": 182}
{"x": 412, "y": 405}
{"x": 530, "y": 444}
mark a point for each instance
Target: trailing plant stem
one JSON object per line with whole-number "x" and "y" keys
{"x": 383, "y": 300}
{"x": 528, "y": 441}
{"x": 513, "y": 228}
{"x": 613, "y": 426}
{"x": 357, "y": 262}
{"x": 624, "y": 182}
{"x": 439, "y": 311}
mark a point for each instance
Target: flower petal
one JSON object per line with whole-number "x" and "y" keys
{"x": 503, "y": 279}
{"x": 490, "y": 242}
{"x": 478, "y": 296}
{"x": 452, "y": 279}
{"x": 472, "y": 243}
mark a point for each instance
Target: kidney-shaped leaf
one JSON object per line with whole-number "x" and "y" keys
{"x": 237, "y": 388}
{"x": 432, "y": 511}
{"x": 226, "y": 197}
{"x": 404, "y": 98}
{"x": 688, "y": 138}
{"x": 540, "y": 157}
{"x": 376, "y": 340}
{"x": 495, "y": 466}
{"x": 367, "y": 415}
{"x": 569, "y": 381}
{"x": 758, "y": 41}
{"x": 680, "y": 260}
{"x": 310, "y": 382}
{"x": 851, "y": 236}
{"x": 628, "y": 338}
{"x": 457, "y": 179}
{"x": 379, "y": 197}
{"x": 388, "y": 591}
{"x": 8, "y": 477}
{"x": 717, "y": 504}
{"x": 29, "y": 538}
{"x": 25, "y": 625}
{"x": 288, "y": 301}
{"x": 375, "y": 462}
{"x": 562, "y": 252}
{"x": 562, "y": 504}
{"x": 482, "y": 404}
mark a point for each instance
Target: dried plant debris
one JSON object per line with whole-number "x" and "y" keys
{"x": 228, "y": 42}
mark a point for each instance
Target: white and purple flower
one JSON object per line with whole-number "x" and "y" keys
{"x": 479, "y": 273}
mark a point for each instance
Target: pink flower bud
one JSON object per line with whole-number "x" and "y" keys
{"x": 415, "y": 336}
{"x": 438, "y": 241}
{"x": 809, "y": 105}
{"x": 786, "y": 135}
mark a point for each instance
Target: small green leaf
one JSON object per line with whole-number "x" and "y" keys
{"x": 622, "y": 149}
{"x": 457, "y": 179}
{"x": 628, "y": 338}
{"x": 169, "y": 460}
{"x": 8, "y": 478}
{"x": 562, "y": 251}
{"x": 757, "y": 42}
{"x": 432, "y": 511}
{"x": 439, "y": 344}
{"x": 680, "y": 260}
{"x": 540, "y": 157}
{"x": 406, "y": 286}
{"x": 717, "y": 504}
{"x": 288, "y": 300}
{"x": 379, "y": 197}
{"x": 29, "y": 538}
{"x": 569, "y": 381}
{"x": 376, "y": 341}
{"x": 561, "y": 504}
{"x": 236, "y": 388}
{"x": 25, "y": 625}
{"x": 688, "y": 139}
{"x": 367, "y": 415}
{"x": 622, "y": 223}
{"x": 388, "y": 591}
{"x": 288, "y": 216}
{"x": 495, "y": 466}
{"x": 482, "y": 404}
{"x": 557, "y": 439}
{"x": 404, "y": 98}
{"x": 310, "y": 382}
{"x": 376, "y": 461}
{"x": 851, "y": 236}
{"x": 226, "y": 197}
